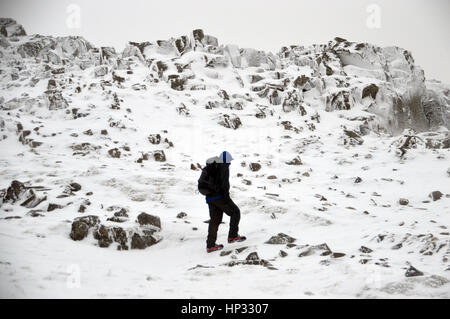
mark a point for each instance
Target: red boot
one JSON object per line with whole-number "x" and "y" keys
{"x": 214, "y": 248}
{"x": 234, "y": 239}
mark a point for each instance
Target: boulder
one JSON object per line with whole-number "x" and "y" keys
{"x": 280, "y": 239}
{"x": 371, "y": 91}
{"x": 341, "y": 100}
{"x": 102, "y": 234}
{"x": 413, "y": 272}
{"x": 253, "y": 256}
{"x": 55, "y": 100}
{"x": 114, "y": 153}
{"x": 14, "y": 192}
{"x": 10, "y": 28}
{"x": 147, "y": 219}
{"x": 296, "y": 161}
{"x": 232, "y": 51}
{"x": 81, "y": 226}
{"x": 181, "y": 215}
{"x": 100, "y": 71}
{"x": 79, "y": 230}
{"x": 159, "y": 156}
{"x": 365, "y": 250}
{"x": 154, "y": 138}
{"x": 254, "y": 167}
{"x": 323, "y": 249}
{"x": 143, "y": 241}
{"x": 350, "y": 137}
{"x": 230, "y": 121}
{"x": 436, "y": 195}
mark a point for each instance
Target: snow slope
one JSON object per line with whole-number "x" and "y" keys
{"x": 341, "y": 192}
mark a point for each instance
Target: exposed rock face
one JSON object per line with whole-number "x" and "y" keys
{"x": 10, "y": 28}
{"x": 394, "y": 88}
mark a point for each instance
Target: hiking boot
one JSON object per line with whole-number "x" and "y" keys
{"x": 214, "y": 248}
{"x": 236, "y": 239}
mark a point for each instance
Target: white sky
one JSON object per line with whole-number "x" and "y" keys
{"x": 421, "y": 26}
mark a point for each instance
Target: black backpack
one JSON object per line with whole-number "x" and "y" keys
{"x": 206, "y": 181}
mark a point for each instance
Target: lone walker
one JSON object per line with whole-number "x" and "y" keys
{"x": 214, "y": 184}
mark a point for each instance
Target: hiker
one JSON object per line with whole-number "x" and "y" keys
{"x": 214, "y": 184}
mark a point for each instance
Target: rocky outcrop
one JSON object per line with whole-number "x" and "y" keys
{"x": 10, "y": 28}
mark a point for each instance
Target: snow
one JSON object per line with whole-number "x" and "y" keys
{"x": 38, "y": 259}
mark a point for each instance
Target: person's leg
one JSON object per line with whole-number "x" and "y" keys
{"x": 215, "y": 215}
{"x": 231, "y": 209}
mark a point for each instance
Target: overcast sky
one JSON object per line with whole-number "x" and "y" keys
{"x": 421, "y": 26}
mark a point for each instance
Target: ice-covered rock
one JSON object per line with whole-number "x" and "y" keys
{"x": 10, "y": 28}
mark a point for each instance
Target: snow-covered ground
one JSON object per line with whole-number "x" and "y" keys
{"x": 346, "y": 196}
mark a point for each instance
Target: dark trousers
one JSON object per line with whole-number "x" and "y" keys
{"x": 216, "y": 210}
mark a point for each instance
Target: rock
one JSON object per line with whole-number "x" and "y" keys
{"x": 322, "y": 248}
{"x": 177, "y": 82}
{"x": 181, "y": 215}
{"x": 282, "y": 253}
{"x": 358, "y": 180}
{"x": 230, "y": 121}
{"x": 253, "y": 256}
{"x": 120, "y": 236}
{"x": 10, "y": 28}
{"x": 52, "y": 207}
{"x": 352, "y": 138}
{"x": 159, "y": 156}
{"x": 254, "y": 167}
{"x": 81, "y": 226}
{"x": 365, "y": 250}
{"x": 79, "y": 230}
{"x": 296, "y": 161}
{"x": 271, "y": 177}
{"x": 301, "y": 81}
{"x": 100, "y": 71}
{"x": 55, "y": 100}
{"x": 254, "y": 78}
{"x": 403, "y": 201}
{"x": 114, "y": 153}
{"x": 154, "y": 138}
{"x": 337, "y": 255}
{"x": 436, "y": 195}
{"x": 280, "y": 239}
{"x": 225, "y": 252}
{"x": 234, "y": 55}
{"x": 371, "y": 91}
{"x": 32, "y": 199}
{"x": 143, "y": 241}
{"x": 293, "y": 101}
{"x": 14, "y": 191}
{"x": 147, "y": 219}
{"x": 90, "y": 220}
{"x": 413, "y": 272}
{"x": 102, "y": 234}
{"x": 341, "y": 100}
{"x": 75, "y": 187}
